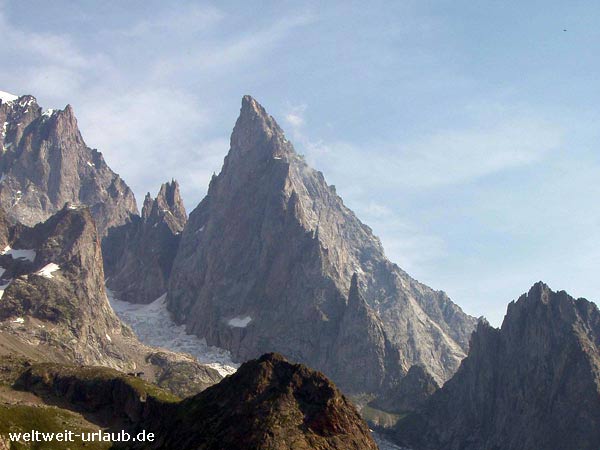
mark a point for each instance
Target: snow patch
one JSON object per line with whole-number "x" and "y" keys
{"x": 19, "y": 254}
{"x": 108, "y": 337}
{"x": 2, "y": 270}
{"x": 6, "y": 97}
{"x": 239, "y": 322}
{"x": 48, "y": 113}
{"x": 90, "y": 164}
{"x": 3, "y": 287}
{"x": 48, "y": 270}
{"x": 154, "y": 326}
{"x": 19, "y": 320}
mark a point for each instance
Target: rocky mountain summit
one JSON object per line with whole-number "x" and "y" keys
{"x": 139, "y": 255}
{"x": 45, "y": 163}
{"x": 534, "y": 383}
{"x": 268, "y": 403}
{"x": 266, "y": 263}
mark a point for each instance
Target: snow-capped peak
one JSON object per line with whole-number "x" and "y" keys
{"x": 6, "y": 97}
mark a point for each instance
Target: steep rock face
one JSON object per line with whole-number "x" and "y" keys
{"x": 54, "y": 305}
{"x": 266, "y": 262}
{"x": 268, "y": 403}
{"x": 534, "y": 383}
{"x": 55, "y": 272}
{"x": 410, "y": 394}
{"x": 139, "y": 255}
{"x": 45, "y": 163}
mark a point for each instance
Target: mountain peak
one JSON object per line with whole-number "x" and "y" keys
{"x": 169, "y": 194}
{"x": 53, "y": 165}
{"x": 269, "y": 403}
{"x": 168, "y": 205}
{"x": 522, "y": 381}
{"x": 250, "y": 105}
{"x": 256, "y": 134}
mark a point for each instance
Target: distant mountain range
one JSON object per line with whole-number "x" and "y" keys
{"x": 271, "y": 260}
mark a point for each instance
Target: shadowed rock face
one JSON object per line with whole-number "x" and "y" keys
{"x": 534, "y": 383}
{"x": 410, "y": 394}
{"x": 45, "y": 163}
{"x": 268, "y": 403}
{"x": 266, "y": 261}
{"x": 139, "y": 255}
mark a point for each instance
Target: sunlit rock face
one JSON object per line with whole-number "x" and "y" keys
{"x": 45, "y": 163}
{"x": 273, "y": 242}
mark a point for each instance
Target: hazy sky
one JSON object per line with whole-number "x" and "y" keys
{"x": 464, "y": 133}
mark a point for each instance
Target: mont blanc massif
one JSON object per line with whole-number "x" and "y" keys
{"x": 267, "y": 318}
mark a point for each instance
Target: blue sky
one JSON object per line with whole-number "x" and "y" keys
{"x": 464, "y": 133}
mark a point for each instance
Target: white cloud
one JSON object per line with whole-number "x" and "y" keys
{"x": 404, "y": 243}
{"x": 225, "y": 54}
{"x": 151, "y": 136}
{"x": 295, "y": 117}
{"x": 185, "y": 20}
{"x": 444, "y": 158}
{"x": 123, "y": 93}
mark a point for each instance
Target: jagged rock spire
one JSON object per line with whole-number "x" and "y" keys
{"x": 147, "y": 208}
{"x": 256, "y": 137}
{"x": 139, "y": 255}
{"x": 354, "y": 294}
{"x": 251, "y": 249}
{"x": 166, "y": 207}
{"x": 533, "y": 383}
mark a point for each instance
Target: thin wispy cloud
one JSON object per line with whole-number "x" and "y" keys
{"x": 295, "y": 118}
{"x": 447, "y": 157}
{"x": 185, "y": 20}
{"x": 128, "y": 100}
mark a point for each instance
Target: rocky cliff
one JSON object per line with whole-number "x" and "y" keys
{"x": 534, "y": 383}
{"x": 45, "y": 163}
{"x": 266, "y": 262}
{"x": 139, "y": 255}
{"x": 54, "y": 306}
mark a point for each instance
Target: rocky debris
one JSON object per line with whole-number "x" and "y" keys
{"x": 45, "y": 163}
{"x": 266, "y": 261}
{"x": 139, "y": 255}
{"x": 54, "y": 300}
{"x": 534, "y": 383}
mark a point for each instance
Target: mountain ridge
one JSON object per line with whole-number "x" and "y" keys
{"x": 45, "y": 163}
{"x": 532, "y": 383}
{"x": 268, "y": 213}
